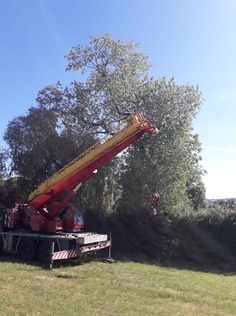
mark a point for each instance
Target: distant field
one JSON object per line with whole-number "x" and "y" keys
{"x": 97, "y": 288}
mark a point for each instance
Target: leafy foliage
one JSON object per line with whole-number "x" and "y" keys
{"x": 39, "y": 147}
{"x": 115, "y": 71}
{"x": 116, "y": 84}
{"x": 168, "y": 163}
{"x": 8, "y": 197}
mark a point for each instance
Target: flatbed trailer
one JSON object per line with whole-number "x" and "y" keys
{"x": 50, "y": 247}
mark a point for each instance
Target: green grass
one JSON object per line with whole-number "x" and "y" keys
{"x": 123, "y": 288}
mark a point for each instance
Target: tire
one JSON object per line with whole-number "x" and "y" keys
{"x": 27, "y": 249}
{"x": 44, "y": 252}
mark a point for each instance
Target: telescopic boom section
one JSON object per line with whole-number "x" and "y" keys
{"x": 84, "y": 166}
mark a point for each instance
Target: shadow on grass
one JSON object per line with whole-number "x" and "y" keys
{"x": 58, "y": 264}
{"x": 207, "y": 266}
{"x": 222, "y": 268}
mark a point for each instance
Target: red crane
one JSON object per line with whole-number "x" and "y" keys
{"x": 67, "y": 181}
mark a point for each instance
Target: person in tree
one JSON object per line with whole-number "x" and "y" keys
{"x": 155, "y": 200}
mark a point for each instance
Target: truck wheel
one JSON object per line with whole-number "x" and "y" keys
{"x": 44, "y": 252}
{"x": 27, "y": 249}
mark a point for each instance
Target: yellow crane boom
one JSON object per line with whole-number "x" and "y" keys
{"x": 82, "y": 167}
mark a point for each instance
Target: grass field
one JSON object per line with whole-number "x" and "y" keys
{"x": 122, "y": 288}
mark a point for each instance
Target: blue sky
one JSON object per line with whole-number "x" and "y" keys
{"x": 193, "y": 41}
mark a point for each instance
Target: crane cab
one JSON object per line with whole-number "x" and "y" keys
{"x": 72, "y": 218}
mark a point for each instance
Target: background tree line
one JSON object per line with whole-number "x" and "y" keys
{"x": 115, "y": 81}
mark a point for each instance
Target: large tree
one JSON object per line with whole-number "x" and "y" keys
{"x": 117, "y": 82}
{"x": 168, "y": 163}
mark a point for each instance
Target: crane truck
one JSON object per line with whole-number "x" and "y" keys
{"x": 48, "y": 226}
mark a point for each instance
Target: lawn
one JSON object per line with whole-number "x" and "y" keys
{"x": 122, "y": 288}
